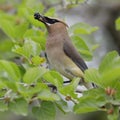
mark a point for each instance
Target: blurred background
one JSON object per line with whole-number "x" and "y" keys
{"x": 101, "y": 13}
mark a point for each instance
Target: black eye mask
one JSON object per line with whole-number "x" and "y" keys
{"x": 50, "y": 21}
{"x": 45, "y": 19}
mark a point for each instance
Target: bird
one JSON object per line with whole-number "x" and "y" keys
{"x": 61, "y": 53}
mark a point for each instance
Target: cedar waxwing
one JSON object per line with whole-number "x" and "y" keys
{"x": 61, "y": 53}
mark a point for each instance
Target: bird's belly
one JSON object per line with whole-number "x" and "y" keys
{"x": 64, "y": 65}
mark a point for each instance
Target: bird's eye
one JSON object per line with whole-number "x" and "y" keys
{"x": 53, "y": 20}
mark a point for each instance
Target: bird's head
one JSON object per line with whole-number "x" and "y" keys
{"x": 48, "y": 21}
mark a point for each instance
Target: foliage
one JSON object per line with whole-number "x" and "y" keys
{"x": 25, "y": 79}
{"x": 105, "y": 97}
{"x": 73, "y": 3}
{"x": 118, "y": 23}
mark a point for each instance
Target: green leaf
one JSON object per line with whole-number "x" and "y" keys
{"x": 50, "y": 12}
{"x": 92, "y": 75}
{"x": 20, "y": 30}
{"x": 3, "y": 106}
{"x": 82, "y": 47}
{"x": 82, "y": 28}
{"x": 109, "y": 69}
{"x": 109, "y": 62}
{"x": 29, "y": 7}
{"x": 37, "y": 60}
{"x": 108, "y": 73}
{"x": 115, "y": 114}
{"x": 81, "y": 1}
{"x": 45, "y": 112}
{"x": 2, "y": 84}
{"x": 30, "y": 48}
{"x": 71, "y": 88}
{"x": 78, "y": 1}
{"x": 91, "y": 100}
{"x": 63, "y": 106}
{"x": 29, "y": 91}
{"x": 37, "y": 36}
{"x": 111, "y": 78}
{"x": 117, "y": 88}
{"x": 33, "y": 74}
{"x": 5, "y": 46}
{"x": 11, "y": 85}
{"x": 74, "y": 3}
{"x": 54, "y": 77}
{"x": 38, "y": 7}
{"x": 24, "y": 51}
{"x": 10, "y": 70}
{"x": 7, "y": 27}
{"x": 85, "y": 108}
{"x": 94, "y": 47}
{"x": 117, "y": 24}
{"x": 79, "y": 42}
{"x": 47, "y": 95}
{"x": 19, "y": 106}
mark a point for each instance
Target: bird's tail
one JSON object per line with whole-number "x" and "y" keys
{"x": 86, "y": 84}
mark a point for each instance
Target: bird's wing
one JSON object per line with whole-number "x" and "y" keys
{"x": 72, "y": 53}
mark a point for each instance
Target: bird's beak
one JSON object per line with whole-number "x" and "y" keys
{"x": 39, "y": 17}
